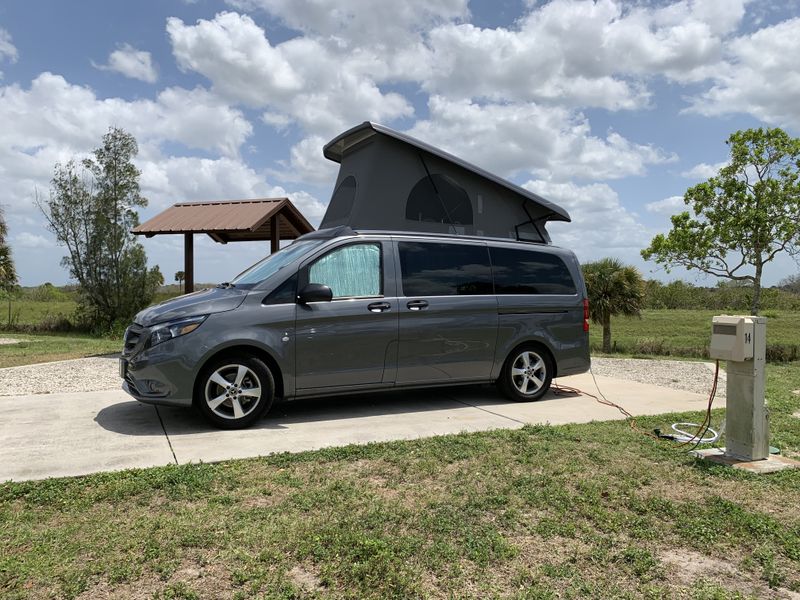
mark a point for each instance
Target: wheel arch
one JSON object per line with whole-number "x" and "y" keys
{"x": 243, "y": 348}
{"x": 532, "y": 343}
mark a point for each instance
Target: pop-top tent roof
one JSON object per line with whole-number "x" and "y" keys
{"x": 397, "y": 174}
{"x": 230, "y": 220}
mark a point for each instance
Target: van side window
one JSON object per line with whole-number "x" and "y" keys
{"x": 529, "y": 272}
{"x": 352, "y": 271}
{"x": 439, "y": 199}
{"x": 431, "y": 269}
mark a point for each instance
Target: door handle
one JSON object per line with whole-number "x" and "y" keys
{"x": 377, "y": 307}
{"x": 417, "y": 304}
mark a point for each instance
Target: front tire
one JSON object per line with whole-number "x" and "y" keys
{"x": 234, "y": 392}
{"x": 527, "y": 374}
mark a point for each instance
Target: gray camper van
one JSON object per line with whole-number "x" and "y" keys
{"x": 340, "y": 311}
{"x": 427, "y": 271}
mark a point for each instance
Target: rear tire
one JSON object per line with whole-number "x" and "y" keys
{"x": 234, "y": 392}
{"x": 527, "y": 374}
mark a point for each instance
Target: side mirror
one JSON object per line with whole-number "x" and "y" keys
{"x": 315, "y": 292}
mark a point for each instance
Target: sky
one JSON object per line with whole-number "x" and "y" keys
{"x": 611, "y": 109}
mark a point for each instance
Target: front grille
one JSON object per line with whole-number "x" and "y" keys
{"x": 132, "y": 339}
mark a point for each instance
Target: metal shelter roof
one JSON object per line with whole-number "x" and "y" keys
{"x": 335, "y": 149}
{"x": 230, "y": 220}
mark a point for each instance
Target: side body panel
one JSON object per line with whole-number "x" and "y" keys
{"x": 178, "y": 362}
{"x": 348, "y": 342}
{"x": 451, "y": 338}
{"x": 556, "y": 321}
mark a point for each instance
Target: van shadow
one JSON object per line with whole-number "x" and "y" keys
{"x": 134, "y": 418}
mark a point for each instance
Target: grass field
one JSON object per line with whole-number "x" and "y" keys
{"x": 595, "y": 510}
{"x": 584, "y": 511}
{"x": 40, "y": 348}
{"x": 685, "y": 333}
{"x": 28, "y": 312}
{"x": 33, "y": 312}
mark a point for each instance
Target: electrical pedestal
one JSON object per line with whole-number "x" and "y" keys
{"x": 742, "y": 341}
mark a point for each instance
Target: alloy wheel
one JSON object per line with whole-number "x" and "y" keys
{"x": 233, "y": 391}
{"x": 528, "y": 373}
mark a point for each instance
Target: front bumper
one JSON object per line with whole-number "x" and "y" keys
{"x": 159, "y": 375}
{"x": 157, "y": 401}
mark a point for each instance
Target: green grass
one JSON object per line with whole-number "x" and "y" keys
{"x": 36, "y": 312}
{"x": 38, "y": 348}
{"x": 594, "y": 510}
{"x": 684, "y": 333}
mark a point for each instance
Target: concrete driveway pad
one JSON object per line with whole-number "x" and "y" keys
{"x": 54, "y": 435}
{"x": 57, "y": 435}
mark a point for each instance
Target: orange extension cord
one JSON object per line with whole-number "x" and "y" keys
{"x": 701, "y": 430}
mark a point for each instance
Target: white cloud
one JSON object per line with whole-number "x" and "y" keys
{"x": 130, "y": 62}
{"x": 54, "y": 121}
{"x": 26, "y": 239}
{"x": 667, "y": 206}
{"x": 307, "y": 164}
{"x": 233, "y": 52}
{"x": 53, "y": 109}
{"x": 600, "y": 225}
{"x": 188, "y": 179}
{"x": 385, "y": 23}
{"x": 550, "y": 142}
{"x": 581, "y": 52}
{"x": 703, "y": 170}
{"x": 299, "y": 79}
{"x": 276, "y": 120}
{"x": 7, "y": 49}
{"x": 759, "y": 77}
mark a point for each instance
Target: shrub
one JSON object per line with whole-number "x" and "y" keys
{"x": 783, "y": 352}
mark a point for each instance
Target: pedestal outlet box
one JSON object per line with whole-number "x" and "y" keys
{"x": 732, "y": 338}
{"x": 742, "y": 341}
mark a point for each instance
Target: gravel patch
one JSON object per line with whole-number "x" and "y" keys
{"x": 696, "y": 377}
{"x": 78, "y": 375}
{"x": 102, "y": 373}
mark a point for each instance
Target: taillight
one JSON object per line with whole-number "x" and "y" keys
{"x": 586, "y": 314}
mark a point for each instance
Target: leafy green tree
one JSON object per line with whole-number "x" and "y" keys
{"x": 614, "y": 289}
{"x": 791, "y": 283}
{"x": 743, "y": 217}
{"x": 179, "y": 277}
{"x": 91, "y": 210}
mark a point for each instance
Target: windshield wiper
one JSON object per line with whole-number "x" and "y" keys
{"x": 226, "y": 285}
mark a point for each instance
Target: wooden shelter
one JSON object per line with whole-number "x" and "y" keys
{"x": 224, "y": 221}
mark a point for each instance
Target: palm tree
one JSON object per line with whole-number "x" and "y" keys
{"x": 614, "y": 289}
{"x": 179, "y": 277}
{"x": 8, "y": 275}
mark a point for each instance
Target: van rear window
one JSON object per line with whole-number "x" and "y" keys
{"x": 529, "y": 272}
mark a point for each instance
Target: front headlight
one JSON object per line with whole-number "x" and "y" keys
{"x": 172, "y": 329}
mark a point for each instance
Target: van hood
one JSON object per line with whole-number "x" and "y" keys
{"x": 204, "y": 302}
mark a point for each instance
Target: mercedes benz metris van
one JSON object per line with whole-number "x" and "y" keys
{"x": 338, "y": 312}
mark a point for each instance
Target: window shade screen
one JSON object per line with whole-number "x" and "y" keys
{"x": 350, "y": 271}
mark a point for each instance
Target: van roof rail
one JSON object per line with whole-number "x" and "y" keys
{"x": 346, "y": 231}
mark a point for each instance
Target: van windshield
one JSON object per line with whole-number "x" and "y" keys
{"x": 273, "y": 263}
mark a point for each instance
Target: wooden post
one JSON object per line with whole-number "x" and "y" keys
{"x": 275, "y": 240}
{"x": 188, "y": 262}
